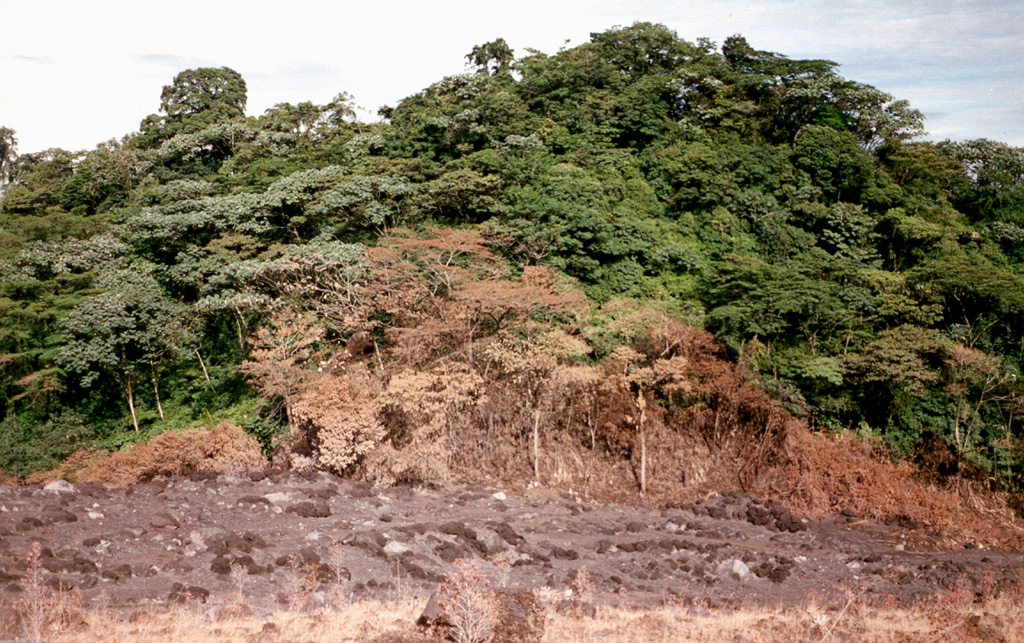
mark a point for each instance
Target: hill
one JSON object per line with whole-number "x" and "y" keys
{"x": 641, "y": 265}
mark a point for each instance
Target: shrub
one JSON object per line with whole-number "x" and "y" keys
{"x": 468, "y": 604}
{"x": 26, "y": 447}
{"x": 339, "y": 418}
{"x": 225, "y": 448}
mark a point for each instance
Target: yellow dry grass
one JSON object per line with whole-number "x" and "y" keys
{"x": 943, "y": 618}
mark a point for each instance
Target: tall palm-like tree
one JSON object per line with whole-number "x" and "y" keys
{"x": 8, "y": 154}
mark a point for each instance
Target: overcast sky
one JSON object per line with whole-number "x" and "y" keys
{"x": 74, "y": 73}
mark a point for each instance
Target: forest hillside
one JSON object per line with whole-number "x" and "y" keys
{"x": 639, "y": 264}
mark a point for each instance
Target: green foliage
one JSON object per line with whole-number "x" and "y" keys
{"x": 833, "y": 161}
{"x": 8, "y": 155}
{"x": 195, "y": 100}
{"x": 28, "y": 445}
{"x": 867, "y": 279}
{"x": 493, "y": 57}
{"x": 36, "y": 182}
{"x": 994, "y": 190}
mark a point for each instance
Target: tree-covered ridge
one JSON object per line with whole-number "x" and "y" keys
{"x": 866, "y": 279}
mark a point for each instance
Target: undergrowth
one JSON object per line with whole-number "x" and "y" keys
{"x": 816, "y": 474}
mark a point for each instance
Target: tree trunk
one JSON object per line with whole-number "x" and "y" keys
{"x": 589, "y": 419}
{"x": 643, "y": 461}
{"x": 956, "y": 426}
{"x": 641, "y": 426}
{"x": 293, "y": 432}
{"x": 376, "y": 352}
{"x": 205, "y": 373}
{"x": 156, "y": 393}
{"x": 536, "y": 444}
{"x": 238, "y": 327}
{"x": 129, "y": 389}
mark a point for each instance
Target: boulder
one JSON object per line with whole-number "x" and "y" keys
{"x": 59, "y": 486}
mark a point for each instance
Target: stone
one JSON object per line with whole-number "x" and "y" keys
{"x": 395, "y": 548}
{"x": 576, "y": 609}
{"x": 520, "y": 617}
{"x": 310, "y": 509}
{"x": 181, "y": 593}
{"x": 163, "y": 521}
{"x": 60, "y": 486}
{"x": 736, "y": 566}
{"x": 220, "y": 565}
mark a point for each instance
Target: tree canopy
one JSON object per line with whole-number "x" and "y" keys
{"x": 485, "y": 239}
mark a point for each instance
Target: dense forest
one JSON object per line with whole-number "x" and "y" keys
{"x": 604, "y": 249}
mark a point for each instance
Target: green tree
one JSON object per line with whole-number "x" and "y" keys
{"x": 994, "y": 190}
{"x": 833, "y": 160}
{"x": 494, "y": 57}
{"x": 897, "y": 373}
{"x": 8, "y": 155}
{"x": 36, "y": 181}
{"x": 125, "y": 333}
{"x": 195, "y": 99}
{"x": 220, "y": 93}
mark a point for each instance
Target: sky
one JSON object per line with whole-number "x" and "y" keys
{"x": 74, "y": 74}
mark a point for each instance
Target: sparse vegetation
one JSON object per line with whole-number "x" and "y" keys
{"x": 952, "y": 615}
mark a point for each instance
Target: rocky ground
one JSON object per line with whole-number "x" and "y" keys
{"x": 266, "y": 538}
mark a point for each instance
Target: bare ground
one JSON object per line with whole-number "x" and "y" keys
{"x": 216, "y": 539}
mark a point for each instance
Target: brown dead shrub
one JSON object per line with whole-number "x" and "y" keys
{"x": 225, "y": 448}
{"x": 828, "y": 473}
{"x": 339, "y": 416}
{"x": 456, "y": 368}
{"x": 707, "y": 426}
{"x": 8, "y": 479}
{"x": 422, "y": 412}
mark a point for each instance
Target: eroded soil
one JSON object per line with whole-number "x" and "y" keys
{"x": 221, "y": 538}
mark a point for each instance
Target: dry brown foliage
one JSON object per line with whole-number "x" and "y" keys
{"x": 455, "y": 368}
{"x": 340, "y": 416}
{"x": 278, "y": 358}
{"x": 424, "y": 412}
{"x": 225, "y": 448}
{"x": 698, "y": 422}
{"x": 481, "y": 369}
{"x": 828, "y": 473}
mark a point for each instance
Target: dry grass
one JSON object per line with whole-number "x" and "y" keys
{"x": 993, "y": 611}
{"x": 944, "y": 618}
